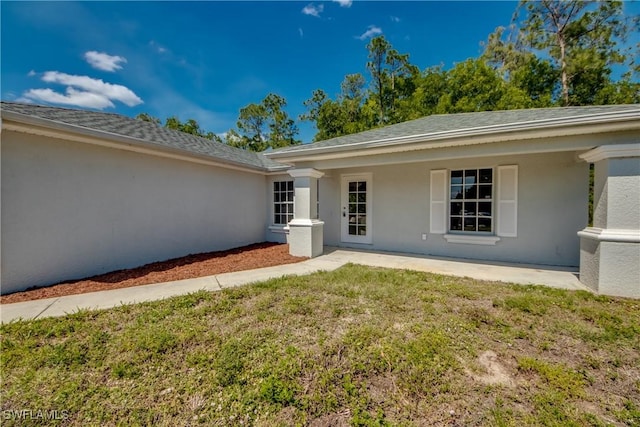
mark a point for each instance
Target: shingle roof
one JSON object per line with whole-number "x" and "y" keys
{"x": 147, "y": 132}
{"x": 442, "y": 123}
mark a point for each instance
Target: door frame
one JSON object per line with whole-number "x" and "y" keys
{"x": 344, "y": 222}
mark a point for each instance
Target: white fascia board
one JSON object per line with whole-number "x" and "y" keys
{"x": 36, "y": 126}
{"x": 609, "y": 122}
{"x": 305, "y": 173}
{"x": 611, "y": 152}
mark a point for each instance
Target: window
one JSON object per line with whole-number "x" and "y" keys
{"x": 474, "y": 206}
{"x": 471, "y": 200}
{"x": 282, "y": 202}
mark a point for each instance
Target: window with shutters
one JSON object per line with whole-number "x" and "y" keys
{"x": 282, "y": 202}
{"x": 474, "y": 206}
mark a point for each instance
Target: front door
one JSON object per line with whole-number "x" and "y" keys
{"x": 356, "y": 208}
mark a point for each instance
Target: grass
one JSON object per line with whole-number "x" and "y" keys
{"x": 356, "y": 346}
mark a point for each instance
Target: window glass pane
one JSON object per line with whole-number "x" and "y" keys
{"x": 486, "y": 175}
{"x": 276, "y": 197}
{"x": 352, "y": 207}
{"x": 470, "y": 176}
{"x": 362, "y": 219}
{"x": 484, "y": 209}
{"x": 362, "y": 230}
{"x": 456, "y": 192}
{"x": 352, "y": 219}
{"x": 276, "y": 186}
{"x": 362, "y": 208}
{"x": 456, "y": 223}
{"x": 290, "y": 196}
{"x": 484, "y": 224}
{"x": 277, "y": 208}
{"x": 352, "y": 230}
{"x": 456, "y": 208}
{"x": 290, "y": 185}
{"x": 353, "y": 198}
{"x": 362, "y": 186}
{"x": 469, "y": 224}
{"x": 484, "y": 192}
{"x": 362, "y": 197}
{"x": 470, "y": 191}
{"x": 277, "y": 219}
{"x": 470, "y": 208}
{"x": 353, "y": 186}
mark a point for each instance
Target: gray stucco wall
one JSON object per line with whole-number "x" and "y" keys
{"x": 70, "y": 210}
{"x": 552, "y": 208}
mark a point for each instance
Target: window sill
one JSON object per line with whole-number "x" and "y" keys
{"x": 280, "y": 229}
{"x": 471, "y": 239}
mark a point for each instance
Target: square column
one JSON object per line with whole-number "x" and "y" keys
{"x": 306, "y": 229}
{"x": 610, "y": 249}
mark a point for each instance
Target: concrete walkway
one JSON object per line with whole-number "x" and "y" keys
{"x": 332, "y": 259}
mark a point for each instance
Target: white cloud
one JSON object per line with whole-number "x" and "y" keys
{"x": 82, "y": 91}
{"x": 344, "y": 3}
{"x": 394, "y": 18}
{"x": 96, "y": 86}
{"x": 313, "y": 10}
{"x": 31, "y": 73}
{"x": 301, "y": 32}
{"x": 103, "y": 61}
{"x": 372, "y": 31}
{"x": 72, "y": 97}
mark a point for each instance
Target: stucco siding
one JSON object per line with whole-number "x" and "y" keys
{"x": 70, "y": 209}
{"x": 552, "y": 208}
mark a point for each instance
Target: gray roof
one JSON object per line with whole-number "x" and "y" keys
{"x": 443, "y": 123}
{"x": 146, "y": 132}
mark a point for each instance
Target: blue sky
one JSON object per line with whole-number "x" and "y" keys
{"x": 206, "y": 60}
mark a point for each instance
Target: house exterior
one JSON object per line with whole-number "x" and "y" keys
{"x": 86, "y": 192}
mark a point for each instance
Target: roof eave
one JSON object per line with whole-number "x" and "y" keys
{"x": 97, "y": 137}
{"x": 618, "y": 121}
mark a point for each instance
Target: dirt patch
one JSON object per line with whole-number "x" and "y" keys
{"x": 496, "y": 373}
{"x": 205, "y": 264}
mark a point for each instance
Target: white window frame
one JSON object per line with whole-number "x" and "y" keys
{"x": 476, "y": 200}
{"x": 504, "y": 206}
{"x": 471, "y": 237}
{"x": 290, "y": 204}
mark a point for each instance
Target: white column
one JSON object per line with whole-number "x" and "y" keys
{"x": 306, "y": 229}
{"x": 610, "y": 249}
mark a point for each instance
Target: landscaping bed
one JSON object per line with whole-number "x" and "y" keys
{"x": 198, "y": 265}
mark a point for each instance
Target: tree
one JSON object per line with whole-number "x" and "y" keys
{"x": 263, "y": 126}
{"x": 473, "y": 85}
{"x": 190, "y": 126}
{"x": 581, "y": 37}
{"x": 393, "y": 78}
{"x": 145, "y": 117}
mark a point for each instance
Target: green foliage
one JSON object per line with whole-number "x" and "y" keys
{"x": 191, "y": 126}
{"x": 263, "y": 126}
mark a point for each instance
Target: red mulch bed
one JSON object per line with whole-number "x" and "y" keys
{"x": 206, "y": 264}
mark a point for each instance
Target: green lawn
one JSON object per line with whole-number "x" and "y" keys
{"x": 357, "y": 346}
